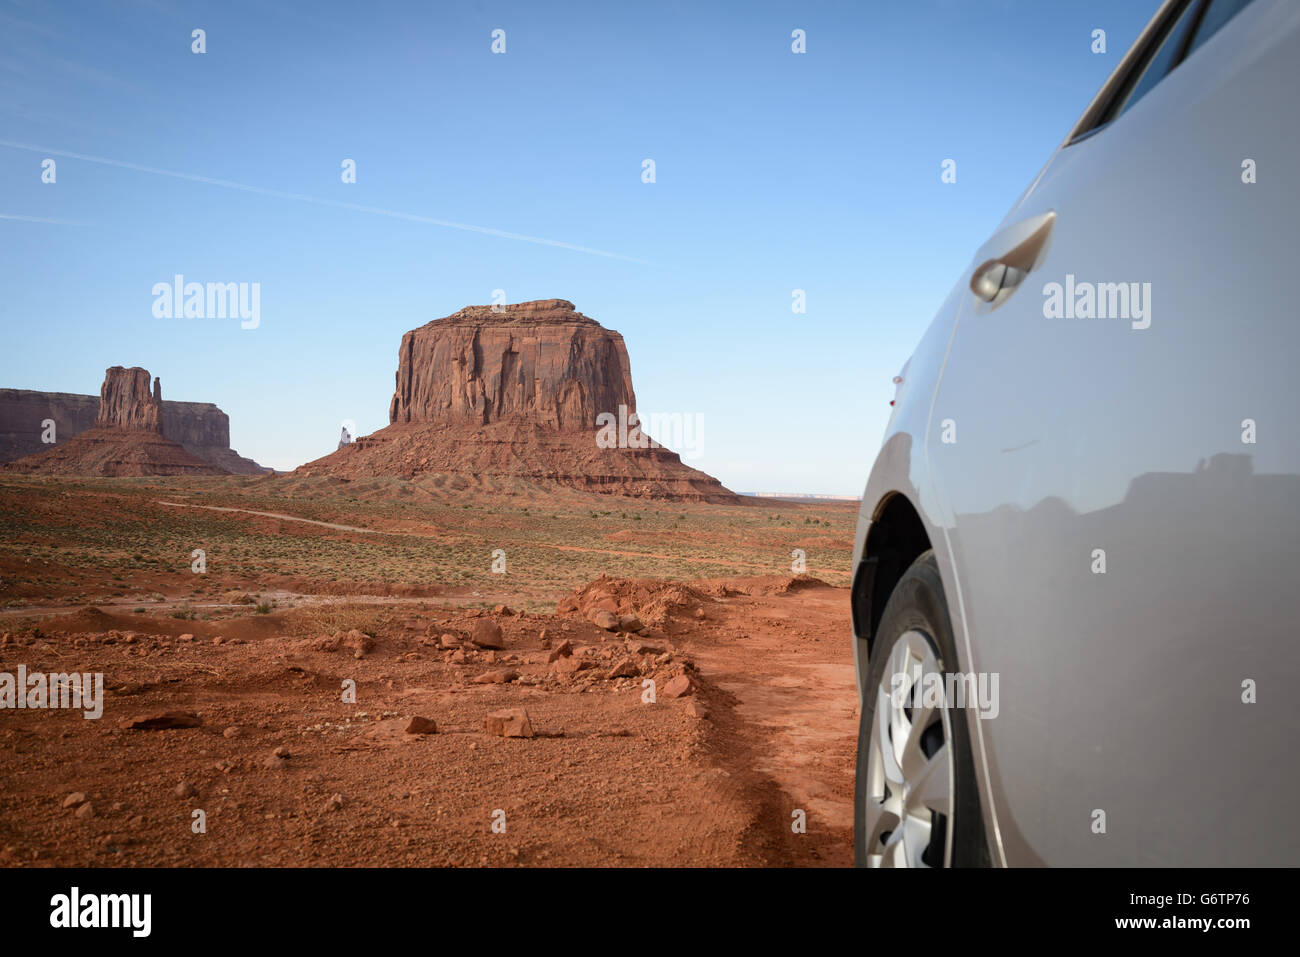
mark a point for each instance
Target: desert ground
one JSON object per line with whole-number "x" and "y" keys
{"x": 466, "y": 604}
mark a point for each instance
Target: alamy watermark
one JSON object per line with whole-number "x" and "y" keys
{"x": 978, "y": 691}
{"x": 1103, "y": 300}
{"x": 683, "y": 432}
{"x": 69, "y": 691}
{"x": 179, "y": 299}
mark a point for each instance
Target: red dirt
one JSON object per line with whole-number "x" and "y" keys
{"x": 711, "y": 778}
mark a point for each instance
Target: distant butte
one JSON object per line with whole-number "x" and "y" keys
{"x": 126, "y": 438}
{"x": 515, "y": 391}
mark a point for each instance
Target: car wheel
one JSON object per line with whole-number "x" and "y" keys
{"x": 916, "y": 803}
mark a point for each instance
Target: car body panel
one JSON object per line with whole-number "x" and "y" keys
{"x": 1122, "y": 692}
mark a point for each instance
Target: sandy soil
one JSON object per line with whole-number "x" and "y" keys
{"x": 95, "y": 579}
{"x": 607, "y": 780}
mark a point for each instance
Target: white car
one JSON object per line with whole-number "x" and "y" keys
{"x": 1078, "y": 557}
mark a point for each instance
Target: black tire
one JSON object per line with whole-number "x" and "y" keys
{"x": 918, "y": 604}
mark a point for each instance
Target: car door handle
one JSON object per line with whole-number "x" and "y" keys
{"x": 1008, "y": 257}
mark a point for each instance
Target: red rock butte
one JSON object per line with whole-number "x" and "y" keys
{"x": 126, "y": 440}
{"x": 515, "y": 391}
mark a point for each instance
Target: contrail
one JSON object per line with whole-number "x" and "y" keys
{"x": 318, "y": 201}
{"x": 42, "y": 219}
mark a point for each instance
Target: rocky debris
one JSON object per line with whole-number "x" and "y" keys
{"x": 635, "y": 604}
{"x": 335, "y": 803}
{"x": 75, "y": 799}
{"x": 233, "y": 731}
{"x": 501, "y": 677}
{"x": 678, "y": 687}
{"x": 420, "y": 725}
{"x": 626, "y": 668}
{"x": 86, "y": 810}
{"x": 502, "y": 610}
{"x": 696, "y": 707}
{"x": 570, "y": 666}
{"x": 359, "y": 643}
{"x": 185, "y": 789}
{"x": 448, "y": 641}
{"x": 643, "y": 648}
{"x": 509, "y": 723}
{"x": 278, "y": 759}
{"x": 161, "y": 720}
{"x": 486, "y": 633}
{"x": 563, "y": 650}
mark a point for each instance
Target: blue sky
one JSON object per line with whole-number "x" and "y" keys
{"x": 775, "y": 172}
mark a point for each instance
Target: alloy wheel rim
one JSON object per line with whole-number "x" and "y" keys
{"x": 909, "y": 762}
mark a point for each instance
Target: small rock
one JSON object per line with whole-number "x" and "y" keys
{"x": 562, "y": 650}
{"x": 448, "y": 641}
{"x": 185, "y": 789}
{"x": 510, "y": 723}
{"x": 86, "y": 810}
{"x": 335, "y": 803}
{"x": 604, "y": 619}
{"x": 486, "y": 633}
{"x": 420, "y": 725}
{"x": 501, "y": 677}
{"x": 74, "y": 799}
{"x": 569, "y": 666}
{"x": 696, "y": 707}
{"x": 233, "y": 731}
{"x": 630, "y": 623}
{"x": 678, "y": 687}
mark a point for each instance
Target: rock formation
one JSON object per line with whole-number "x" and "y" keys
{"x": 200, "y": 427}
{"x": 543, "y": 361}
{"x": 125, "y": 401}
{"x": 516, "y": 391}
{"x": 126, "y": 437}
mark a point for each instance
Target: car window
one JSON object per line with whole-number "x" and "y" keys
{"x": 1186, "y": 27}
{"x": 1159, "y": 65}
{"x": 1217, "y": 13}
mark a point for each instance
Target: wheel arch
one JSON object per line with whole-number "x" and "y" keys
{"x": 896, "y": 537}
